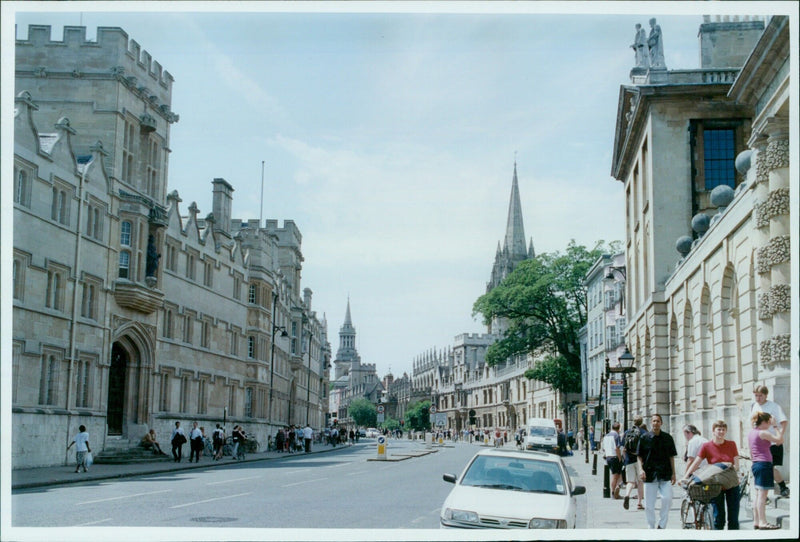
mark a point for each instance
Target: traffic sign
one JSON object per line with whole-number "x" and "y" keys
{"x": 432, "y": 410}
{"x": 380, "y": 409}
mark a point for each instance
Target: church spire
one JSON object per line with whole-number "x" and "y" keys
{"x": 515, "y": 231}
{"x": 347, "y": 320}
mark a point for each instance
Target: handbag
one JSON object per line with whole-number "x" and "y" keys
{"x": 88, "y": 459}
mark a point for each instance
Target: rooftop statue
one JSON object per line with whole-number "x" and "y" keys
{"x": 640, "y": 47}
{"x": 656, "y": 44}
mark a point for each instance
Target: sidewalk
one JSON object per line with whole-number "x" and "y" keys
{"x": 65, "y": 474}
{"x": 607, "y": 513}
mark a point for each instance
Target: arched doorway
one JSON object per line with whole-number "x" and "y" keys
{"x": 115, "y": 414}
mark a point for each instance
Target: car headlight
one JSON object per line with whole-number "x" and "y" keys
{"x": 540, "y": 523}
{"x": 461, "y": 515}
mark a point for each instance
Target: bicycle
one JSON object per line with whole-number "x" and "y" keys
{"x": 696, "y": 511}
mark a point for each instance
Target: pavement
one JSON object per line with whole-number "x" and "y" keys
{"x": 608, "y": 513}
{"x": 65, "y": 474}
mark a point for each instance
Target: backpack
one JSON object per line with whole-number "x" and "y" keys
{"x": 631, "y": 442}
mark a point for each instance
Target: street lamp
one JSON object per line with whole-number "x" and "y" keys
{"x": 624, "y": 367}
{"x": 272, "y": 367}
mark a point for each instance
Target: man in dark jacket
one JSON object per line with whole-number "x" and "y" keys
{"x": 656, "y": 457}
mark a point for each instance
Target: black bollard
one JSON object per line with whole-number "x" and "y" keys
{"x": 606, "y": 482}
{"x": 594, "y": 464}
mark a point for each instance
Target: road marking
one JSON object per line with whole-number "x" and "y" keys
{"x": 356, "y": 472}
{"x": 304, "y": 482}
{"x": 209, "y": 500}
{"x": 233, "y": 480}
{"x": 93, "y": 522}
{"x": 123, "y": 497}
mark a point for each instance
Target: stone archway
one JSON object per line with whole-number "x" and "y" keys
{"x": 128, "y": 399}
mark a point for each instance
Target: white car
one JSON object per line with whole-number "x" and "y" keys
{"x": 372, "y": 433}
{"x": 510, "y": 489}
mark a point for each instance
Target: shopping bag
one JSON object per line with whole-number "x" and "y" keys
{"x": 88, "y": 459}
{"x": 717, "y": 473}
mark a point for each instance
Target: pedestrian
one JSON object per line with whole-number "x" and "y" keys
{"x": 334, "y": 437}
{"x": 238, "y": 440}
{"x": 579, "y": 439}
{"x": 694, "y": 441}
{"x": 195, "y": 443}
{"x": 292, "y": 437}
{"x": 630, "y": 443}
{"x": 761, "y": 441}
{"x": 720, "y": 450}
{"x": 308, "y": 434}
{"x": 218, "y": 439}
{"x": 591, "y": 438}
{"x": 352, "y": 436}
{"x": 177, "y": 439}
{"x": 561, "y": 440}
{"x": 279, "y": 441}
{"x": 149, "y": 441}
{"x": 613, "y": 457}
{"x": 656, "y": 456}
{"x": 81, "y": 442}
{"x": 761, "y": 404}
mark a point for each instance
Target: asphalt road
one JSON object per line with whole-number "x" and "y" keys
{"x": 337, "y": 490}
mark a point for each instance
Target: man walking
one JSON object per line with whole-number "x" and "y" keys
{"x": 177, "y": 439}
{"x": 761, "y": 404}
{"x": 613, "y": 456}
{"x": 656, "y": 457}
{"x": 630, "y": 443}
{"x": 308, "y": 433}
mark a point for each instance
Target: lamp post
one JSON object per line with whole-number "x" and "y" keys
{"x": 272, "y": 356}
{"x": 624, "y": 367}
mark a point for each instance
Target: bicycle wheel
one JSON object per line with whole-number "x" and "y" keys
{"x": 687, "y": 514}
{"x": 706, "y": 519}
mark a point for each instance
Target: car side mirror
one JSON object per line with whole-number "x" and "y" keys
{"x": 578, "y": 490}
{"x": 451, "y": 478}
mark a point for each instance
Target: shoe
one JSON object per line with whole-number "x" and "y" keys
{"x": 616, "y": 492}
{"x": 640, "y": 507}
{"x": 626, "y": 503}
{"x": 768, "y": 527}
{"x": 77, "y": 471}
{"x": 785, "y": 492}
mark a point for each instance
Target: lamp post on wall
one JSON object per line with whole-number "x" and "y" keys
{"x": 272, "y": 366}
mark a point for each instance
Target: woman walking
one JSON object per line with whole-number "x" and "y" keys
{"x": 720, "y": 450}
{"x": 760, "y": 439}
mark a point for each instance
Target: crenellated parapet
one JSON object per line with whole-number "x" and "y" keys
{"x": 112, "y": 56}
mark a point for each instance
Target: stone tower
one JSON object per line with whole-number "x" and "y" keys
{"x": 347, "y": 355}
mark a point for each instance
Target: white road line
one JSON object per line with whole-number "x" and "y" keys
{"x": 210, "y": 500}
{"x": 233, "y": 480}
{"x": 356, "y": 472}
{"x": 123, "y": 497}
{"x": 93, "y": 522}
{"x": 304, "y": 482}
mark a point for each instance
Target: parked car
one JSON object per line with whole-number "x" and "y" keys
{"x": 511, "y": 489}
{"x": 362, "y": 433}
{"x": 372, "y": 433}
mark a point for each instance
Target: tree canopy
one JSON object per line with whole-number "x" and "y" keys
{"x": 418, "y": 416}
{"x": 363, "y": 412}
{"x": 543, "y": 302}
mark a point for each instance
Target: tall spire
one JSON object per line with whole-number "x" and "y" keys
{"x": 515, "y": 231}
{"x": 347, "y": 320}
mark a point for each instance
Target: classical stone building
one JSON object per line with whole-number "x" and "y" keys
{"x": 127, "y": 313}
{"x": 704, "y": 158}
{"x": 352, "y": 378}
{"x": 458, "y": 381}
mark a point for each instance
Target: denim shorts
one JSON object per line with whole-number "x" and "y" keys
{"x": 762, "y": 475}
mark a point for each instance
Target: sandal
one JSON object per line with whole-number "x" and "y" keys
{"x": 640, "y": 507}
{"x": 768, "y": 527}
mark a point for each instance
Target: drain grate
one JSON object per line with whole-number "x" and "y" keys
{"x": 213, "y": 519}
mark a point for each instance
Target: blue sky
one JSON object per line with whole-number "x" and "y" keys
{"x": 390, "y": 137}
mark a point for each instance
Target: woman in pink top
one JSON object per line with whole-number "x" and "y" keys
{"x": 760, "y": 439}
{"x": 720, "y": 450}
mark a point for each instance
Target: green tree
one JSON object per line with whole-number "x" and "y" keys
{"x": 363, "y": 412}
{"x": 418, "y": 416}
{"x": 544, "y": 303}
{"x": 391, "y": 424}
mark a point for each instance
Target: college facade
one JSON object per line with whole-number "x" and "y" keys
{"x": 131, "y": 311}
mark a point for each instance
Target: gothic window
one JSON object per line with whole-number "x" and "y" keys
{"x": 251, "y": 347}
{"x": 54, "y": 293}
{"x": 124, "y": 264}
{"x": 94, "y": 224}
{"x": 232, "y": 400}
{"x": 237, "y": 287}
{"x": 234, "y": 339}
{"x": 48, "y": 387}
{"x": 190, "y": 263}
{"x": 172, "y": 257}
{"x": 18, "y": 277}
{"x": 128, "y": 153}
{"x": 59, "y": 210}
{"x": 185, "y": 393}
{"x": 187, "y": 328}
{"x": 202, "y": 399}
{"x": 252, "y": 296}
{"x": 208, "y": 273}
{"x": 153, "y": 165}
{"x": 205, "y": 336}
{"x": 89, "y": 299}
{"x": 83, "y": 386}
{"x": 164, "y": 397}
{"x": 22, "y": 187}
{"x": 168, "y": 323}
{"x": 248, "y": 402}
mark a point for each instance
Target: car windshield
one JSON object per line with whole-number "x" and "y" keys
{"x": 519, "y": 474}
{"x": 536, "y": 431}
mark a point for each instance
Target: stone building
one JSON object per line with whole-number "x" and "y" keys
{"x": 352, "y": 378}
{"x": 703, "y": 156}
{"x": 127, "y": 313}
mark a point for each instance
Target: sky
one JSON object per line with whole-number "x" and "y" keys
{"x": 389, "y": 134}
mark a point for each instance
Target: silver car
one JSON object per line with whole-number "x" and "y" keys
{"x": 509, "y": 489}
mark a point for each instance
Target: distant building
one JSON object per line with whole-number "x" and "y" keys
{"x": 704, "y": 158}
{"x": 130, "y": 313}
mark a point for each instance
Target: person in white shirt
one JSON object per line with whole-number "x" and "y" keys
{"x": 761, "y": 404}
{"x": 195, "y": 443}
{"x": 694, "y": 440}
{"x": 613, "y": 457}
{"x": 81, "y": 442}
{"x": 177, "y": 439}
{"x": 308, "y": 434}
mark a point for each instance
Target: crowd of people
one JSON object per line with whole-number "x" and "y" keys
{"x": 647, "y": 459}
